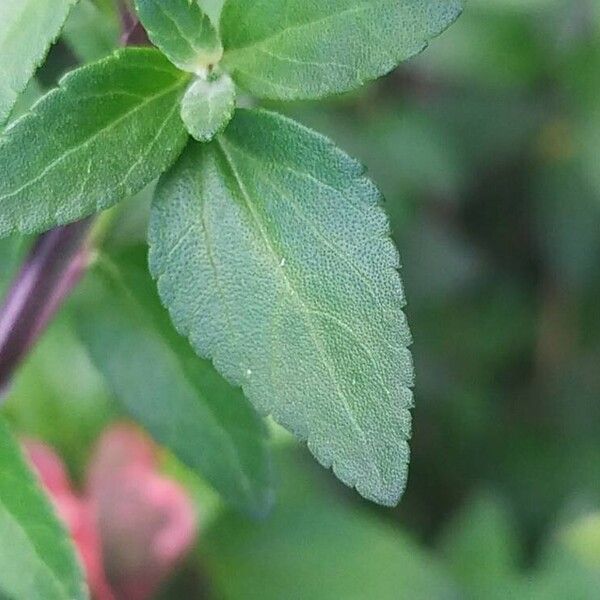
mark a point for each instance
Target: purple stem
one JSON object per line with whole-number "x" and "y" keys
{"x": 128, "y": 19}
{"x": 53, "y": 268}
{"x": 133, "y": 32}
{"x": 136, "y": 36}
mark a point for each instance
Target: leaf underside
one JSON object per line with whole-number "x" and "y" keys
{"x": 273, "y": 255}
{"x": 106, "y": 132}
{"x": 293, "y": 49}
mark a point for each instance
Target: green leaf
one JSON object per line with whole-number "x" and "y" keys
{"x": 208, "y": 106}
{"x": 179, "y": 398}
{"x": 27, "y": 30}
{"x": 184, "y": 33}
{"x": 273, "y": 255}
{"x": 292, "y": 49}
{"x": 104, "y": 134}
{"x": 37, "y": 560}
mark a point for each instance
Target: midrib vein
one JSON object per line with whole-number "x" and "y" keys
{"x": 333, "y": 247}
{"x": 313, "y": 332}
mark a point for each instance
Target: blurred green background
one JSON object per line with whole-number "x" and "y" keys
{"x": 487, "y": 148}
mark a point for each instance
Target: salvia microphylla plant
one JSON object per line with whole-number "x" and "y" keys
{"x": 268, "y": 244}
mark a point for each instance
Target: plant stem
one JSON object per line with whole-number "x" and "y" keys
{"x": 53, "y": 268}
{"x": 133, "y": 34}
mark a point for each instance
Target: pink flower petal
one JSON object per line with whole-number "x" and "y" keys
{"x": 120, "y": 446}
{"x": 76, "y": 514}
{"x": 147, "y": 523}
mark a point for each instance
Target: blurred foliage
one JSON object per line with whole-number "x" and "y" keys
{"x": 314, "y": 546}
{"x": 487, "y": 149}
{"x": 58, "y": 397}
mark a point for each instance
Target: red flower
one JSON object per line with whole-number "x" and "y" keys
{"x": 131, "y": 526}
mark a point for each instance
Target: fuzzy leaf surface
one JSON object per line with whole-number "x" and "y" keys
{"x": 293, "y": 49}
{"x": 106, "y": 132}
{"x": 208, "y": 106}
{"x": 272, "y": 253}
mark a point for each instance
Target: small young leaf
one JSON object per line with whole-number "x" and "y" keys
{"x": 27, "y": 29}
{"x": 290, "y": 49}
{"x": 183, "y": 32}
{"x": 37, "y": 561}
{"x": 178, "y": 397}
{"x": 208, "y": 106}
{"x": 273, "y": 255}
{"x": 105, "y": 133}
